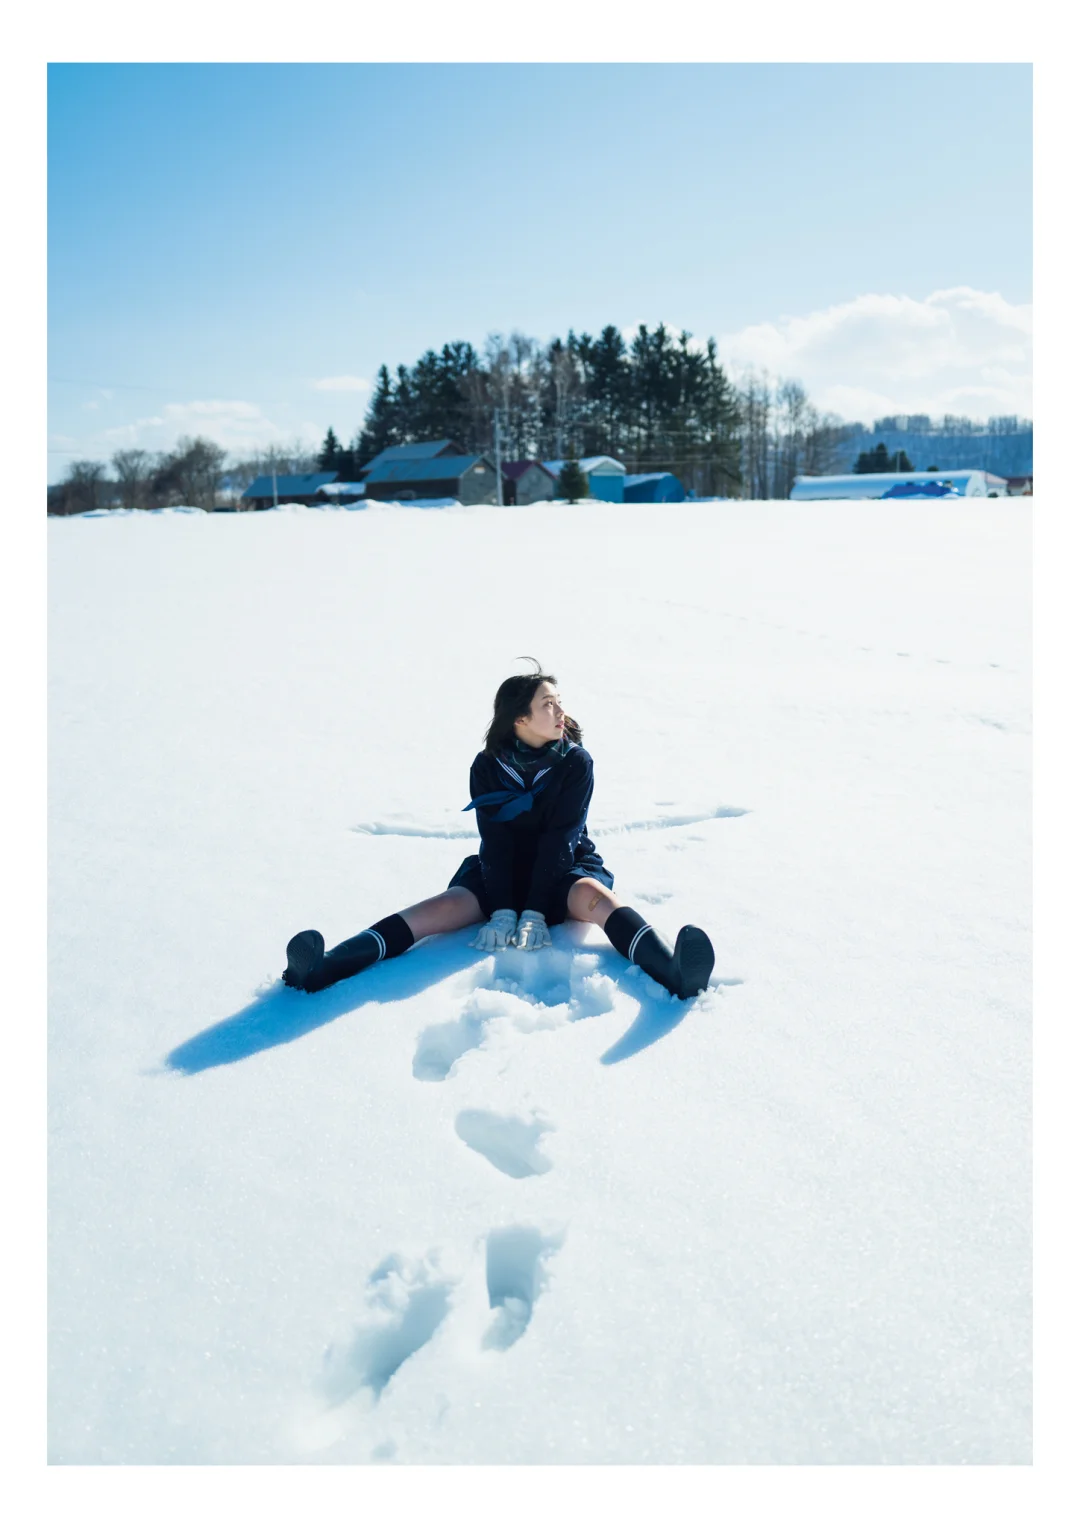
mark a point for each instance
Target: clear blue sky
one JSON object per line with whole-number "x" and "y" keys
{"x": 237, "y": 232}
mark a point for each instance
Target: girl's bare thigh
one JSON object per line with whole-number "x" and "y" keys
{"x": 451, "y": 909}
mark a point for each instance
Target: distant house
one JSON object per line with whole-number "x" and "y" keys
{"x": 287, "y": 488}
{"x": 527, "y": 482}
{"x": 604, "y": 473}
{"x": 653, "y": 488}
{"x": 969, "y": 482}
{"x": 419, "y": 450}
{"x": 469, "y": 479}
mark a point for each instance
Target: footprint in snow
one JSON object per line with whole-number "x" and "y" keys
{"x": 406, "y": 1302}
{"x": 517, "y": 1258}
{"x": 509, "y": 1144}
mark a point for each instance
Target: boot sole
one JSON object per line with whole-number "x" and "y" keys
{"x": 303, "y": 953}
{"x": 693, "y": 960}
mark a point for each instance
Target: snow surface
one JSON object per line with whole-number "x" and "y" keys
{"x": 528, "y": 1209}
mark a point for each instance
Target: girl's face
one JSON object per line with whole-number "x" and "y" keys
{"x": 544, "y": 723}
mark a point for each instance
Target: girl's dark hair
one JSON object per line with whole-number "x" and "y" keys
{"x": 514, "y": 698}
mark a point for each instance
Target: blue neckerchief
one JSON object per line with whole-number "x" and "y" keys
{"x": 513, "y": 802}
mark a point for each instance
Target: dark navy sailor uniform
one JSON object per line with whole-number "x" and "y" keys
{"x": 530, "y": 806}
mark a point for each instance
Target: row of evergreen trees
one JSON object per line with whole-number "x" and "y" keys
{"x": 658, "y": 403}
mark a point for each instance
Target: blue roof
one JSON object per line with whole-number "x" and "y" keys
{"x": 419, "y": 471}
{"x": 303, "y": 484}
{"x": 415, "y": 452}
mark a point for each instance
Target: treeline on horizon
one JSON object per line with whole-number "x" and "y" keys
{"x": 659, "y": 403}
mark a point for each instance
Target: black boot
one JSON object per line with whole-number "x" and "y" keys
{"x": 311, "y": 969}
{"x": 684, "y": 970}
{"x": 345, "y": 959}
{"x": 304, "y": 953}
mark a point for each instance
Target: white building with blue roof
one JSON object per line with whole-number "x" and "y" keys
{"x": 605, "y": 476}
{"x": 969, "y": 482}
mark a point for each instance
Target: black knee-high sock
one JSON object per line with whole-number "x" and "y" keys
{"x": 623, "y": 927}
{"x": 684, "y": 970}
{"x": 390, "y": 936}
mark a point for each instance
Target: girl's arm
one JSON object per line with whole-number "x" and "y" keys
{"x": 496, "y": 840}
{"x": 556, "y": 845}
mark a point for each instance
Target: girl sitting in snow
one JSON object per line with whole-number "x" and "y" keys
{"x": 537, "y": 866}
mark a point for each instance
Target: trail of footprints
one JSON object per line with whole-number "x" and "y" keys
{"x": 407, "y": 1300}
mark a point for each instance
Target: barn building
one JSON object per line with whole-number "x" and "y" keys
{"x": 527, "y": 482}
{"x": 287, "y": 488}
{"x": 419, "y": 450}
{"x": 469, "y": 479}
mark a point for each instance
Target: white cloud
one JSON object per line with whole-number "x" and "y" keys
{"x": 341, "y": 385}
{"x": 239, "y": 426}
{"x": 957, "y": 351}
{"x": 231, "y": 422}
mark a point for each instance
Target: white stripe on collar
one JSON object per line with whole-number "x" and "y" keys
{"x": 512, "y": 772}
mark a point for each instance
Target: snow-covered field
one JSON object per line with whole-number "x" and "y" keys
{"x": 528, "y": 1209}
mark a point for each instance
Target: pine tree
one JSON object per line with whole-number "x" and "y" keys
{"x": 330, "y": 452}
{"x": 877, "y": 460}
{"x": 607, "y": 389}
{"x": 379, "y": 429}
{"x": 572, "y": 483}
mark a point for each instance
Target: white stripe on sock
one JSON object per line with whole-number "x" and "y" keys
{"x": 634, "y": 941}
{"x": 381, "y": 943}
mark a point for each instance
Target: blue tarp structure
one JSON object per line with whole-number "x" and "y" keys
{"x": 653, "y": 488}
{"x": 934, "y": 490}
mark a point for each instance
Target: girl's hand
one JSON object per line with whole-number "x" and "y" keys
{"x": 498, "y": 932}
{"x": 532, "y": 931}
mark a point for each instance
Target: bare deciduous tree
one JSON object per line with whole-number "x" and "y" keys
{"x": 133, "y": 470}
{"x": 191, "y": 472}
{"x": 81, "y": 490}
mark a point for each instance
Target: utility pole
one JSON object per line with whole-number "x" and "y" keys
{"x": 498, "y": 463}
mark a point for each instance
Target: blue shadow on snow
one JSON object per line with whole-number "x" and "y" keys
{"x": 281, "y": 1015}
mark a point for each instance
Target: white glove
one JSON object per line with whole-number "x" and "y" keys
{"x": 498, "y": 932}
{"x": 532, "y": 931}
